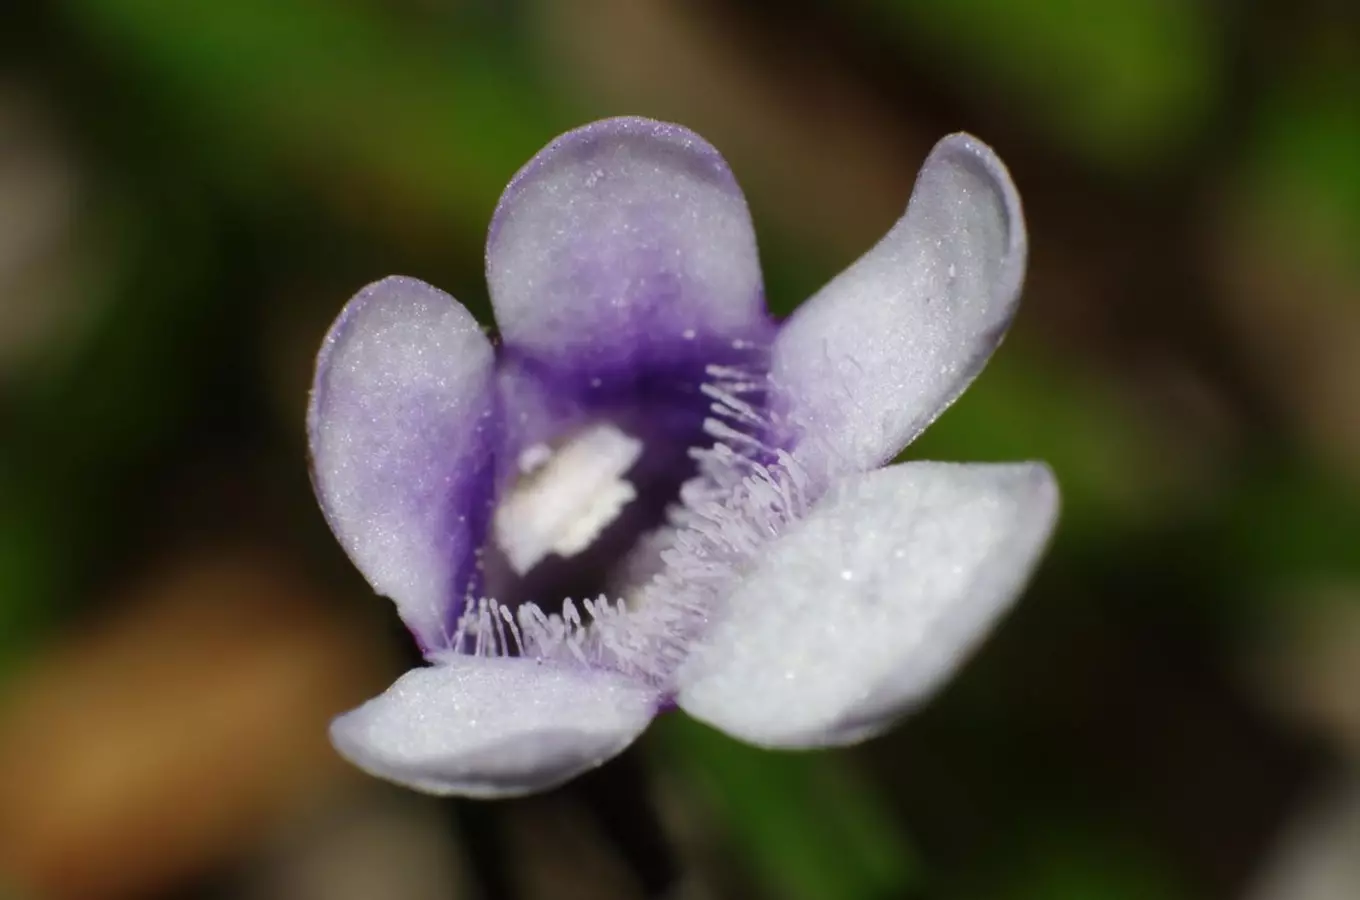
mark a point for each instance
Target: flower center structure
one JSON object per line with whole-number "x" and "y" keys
{"x": 563, "y": 498}
{"x": 607, "y": 551}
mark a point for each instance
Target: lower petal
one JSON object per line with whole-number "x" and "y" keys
{"x": 867, "y": 605}
{"x": 493, "y": 726}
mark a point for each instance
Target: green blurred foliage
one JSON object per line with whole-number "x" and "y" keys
{"x": 1066, "y": 864}
{"x": 809, "y": 826}
{"x": 1304, "y": 157}
{"x": 334, "y": 94}
{"x": 1125, "y": 83}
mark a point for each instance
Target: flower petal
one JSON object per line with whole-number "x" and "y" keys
{"x": 869, "y": 361}
{"x": 621, "y": 237}
{"x": 403, "y": 427}
{"x": 493, "y": 726}
{"x": 861, "y": 610}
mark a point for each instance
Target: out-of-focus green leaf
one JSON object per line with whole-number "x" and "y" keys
{"x": 1109, "y": 463}
{"x": 1290, "y": 523}
{"x": 79, "y": 418}
{"x": 118, "y": 390}
{"x": 336, "y": 91}
{"x": 32, "y": 567}
{"x": 1306, "y": 154}
{"x": 1062, "y": 863}
{"x": 1122, "y": 81}
{"x": 810, "y": 827}
{"x": 1295, "y": 520}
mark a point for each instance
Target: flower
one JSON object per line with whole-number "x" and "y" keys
{"x": 647, "y": 436}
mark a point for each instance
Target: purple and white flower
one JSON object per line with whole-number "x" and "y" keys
{"x": 711, "y": 486}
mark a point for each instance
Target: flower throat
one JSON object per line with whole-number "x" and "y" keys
{"x": 655, "y": 554}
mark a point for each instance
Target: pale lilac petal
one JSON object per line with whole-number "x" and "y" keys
{"x": 885, "y": 347}
{"x": 493, "y": 726}
{"x": 625, "y": 240}
{"x": 403, "y": 425}
{"x": 868, "y": 604}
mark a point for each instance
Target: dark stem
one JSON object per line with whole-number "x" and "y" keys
{"x": 618, "y": 798}
{"x": 478, "y": 826}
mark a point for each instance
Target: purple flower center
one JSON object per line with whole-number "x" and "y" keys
{"x": 590, "y": 462}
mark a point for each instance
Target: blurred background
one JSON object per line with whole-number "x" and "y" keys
{"x": 189, "y": 192}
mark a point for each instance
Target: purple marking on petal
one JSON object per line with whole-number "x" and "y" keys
{"x": 621, "y": 240}
{"x": 655, "y": 399}
{"x": 404, "y": 426}
{"x": 654, "y": 391}
{"x": 471, "y": 509}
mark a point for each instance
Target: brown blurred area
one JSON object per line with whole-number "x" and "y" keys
{"x": 177, "y": 730}
{"x": 188, "y": 193}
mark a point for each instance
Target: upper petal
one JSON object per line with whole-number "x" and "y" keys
{"x": 403, "y": 426}
{"x": 865, "y": 607}
{"x": 619, "y": 239}
{"x": 869, "y": 361}
{"x": 493, "y": 726}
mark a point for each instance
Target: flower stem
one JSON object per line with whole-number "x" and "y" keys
{"x": 618, "y": 798}
{"x": 478, "y": 827}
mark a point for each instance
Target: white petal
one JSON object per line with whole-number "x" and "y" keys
{"x": 868, "y": 604}
{"x": 620, "y": 241}
{"x": 493, "y": 726}
{"x": 884, "y": 348}
{"x": 402, "y": 430}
